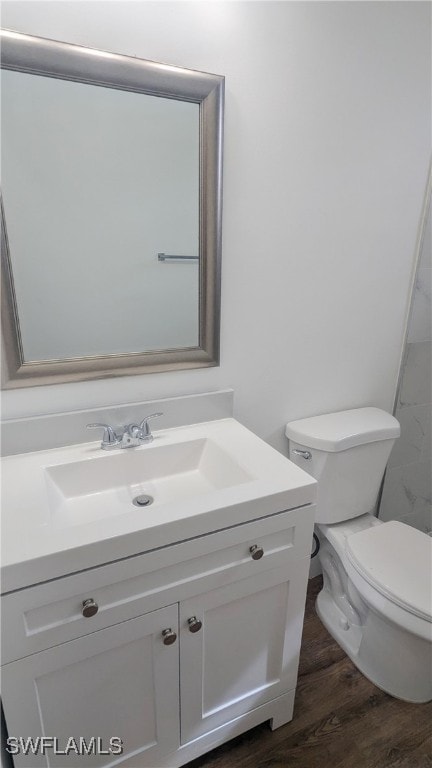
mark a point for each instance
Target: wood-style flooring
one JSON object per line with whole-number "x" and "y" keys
{"x": 340, "y": 719}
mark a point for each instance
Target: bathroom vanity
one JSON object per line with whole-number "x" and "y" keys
{"x": 168, "y": 629}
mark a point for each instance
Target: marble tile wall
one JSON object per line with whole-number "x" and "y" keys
{"x": 407, "y": 485}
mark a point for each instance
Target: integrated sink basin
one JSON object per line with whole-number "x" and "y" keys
{"x": 106, "y": 485}
{"x": 71, "y": 508}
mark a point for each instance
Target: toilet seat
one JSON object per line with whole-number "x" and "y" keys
{"x": 396, "y": 561}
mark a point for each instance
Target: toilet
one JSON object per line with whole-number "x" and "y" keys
{"x": 376, "y": 599}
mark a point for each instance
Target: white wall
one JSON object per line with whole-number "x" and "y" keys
{"x": 327, "y": 144}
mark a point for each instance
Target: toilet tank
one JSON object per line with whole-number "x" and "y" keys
{"x": 347, "y": 453}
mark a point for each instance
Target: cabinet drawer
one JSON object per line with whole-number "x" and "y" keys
{"x": 52, "y": 613}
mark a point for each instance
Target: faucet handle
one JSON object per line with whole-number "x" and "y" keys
{"x": 109, "y": 439}
{"x": 144, "y": 427}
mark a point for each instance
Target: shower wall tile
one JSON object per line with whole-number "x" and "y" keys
{"x": 420, "y": 517}
{"x": 407, "y": 484}
{"x": 414, "y": 441}
{"x": 420, "y": 328}
{"x": 395, "y": 505}
{"x": 426, "y": 252}
{"x": 407, "y": 490}
{"x": 426, "y": 454}
{"x": 416, "y": 380}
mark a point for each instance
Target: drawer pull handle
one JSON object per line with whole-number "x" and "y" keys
{"x": 169, "y": 637}
{"x": 194, "y": 624}
{"x": 89, "y": 608}
{"x": 256, "y": 552}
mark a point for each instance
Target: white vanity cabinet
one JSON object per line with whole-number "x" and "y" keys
{"x": 189, "y": 646}
{"x": 119, "y": 682}
{"x": 246, "y": 654}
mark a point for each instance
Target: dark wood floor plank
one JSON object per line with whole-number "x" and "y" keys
{"x": 334, "y": 688}
{"x": 341, "y": 720}
{"x": 362, "y": 735}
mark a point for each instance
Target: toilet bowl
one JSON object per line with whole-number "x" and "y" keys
{"x": 376, "y": 599}
{"x": 376, "y": 602}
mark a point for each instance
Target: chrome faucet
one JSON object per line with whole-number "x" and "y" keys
{"x": 130, "y": 436}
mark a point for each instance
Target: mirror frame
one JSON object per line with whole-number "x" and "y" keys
{"x": 39, "y": 56}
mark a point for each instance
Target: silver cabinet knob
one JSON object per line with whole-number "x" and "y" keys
{"x": 89, "y": 608}
{"x": 256, "y": 552}
{"x": 194, "y": 624}
{"x": 169, "y": 637}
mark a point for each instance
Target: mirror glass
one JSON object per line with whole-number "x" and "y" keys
{"x": 96, "y": 182}
{"x": 111, "y": 174}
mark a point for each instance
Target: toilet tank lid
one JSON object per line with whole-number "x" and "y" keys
{"x": 339, "y": 431}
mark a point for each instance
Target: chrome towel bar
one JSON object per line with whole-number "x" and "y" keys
{"x": 175, "y": 257}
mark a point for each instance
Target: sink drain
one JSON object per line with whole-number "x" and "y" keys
{"x": 143, "y": 500}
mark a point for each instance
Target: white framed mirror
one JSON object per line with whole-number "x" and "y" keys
{"x": 111, "y": 214}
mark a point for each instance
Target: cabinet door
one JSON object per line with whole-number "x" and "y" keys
{"x": 246, "y": 651}
{"x": 119, "y": 682}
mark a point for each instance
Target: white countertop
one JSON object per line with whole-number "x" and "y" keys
{"x": 36, "y": 547}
